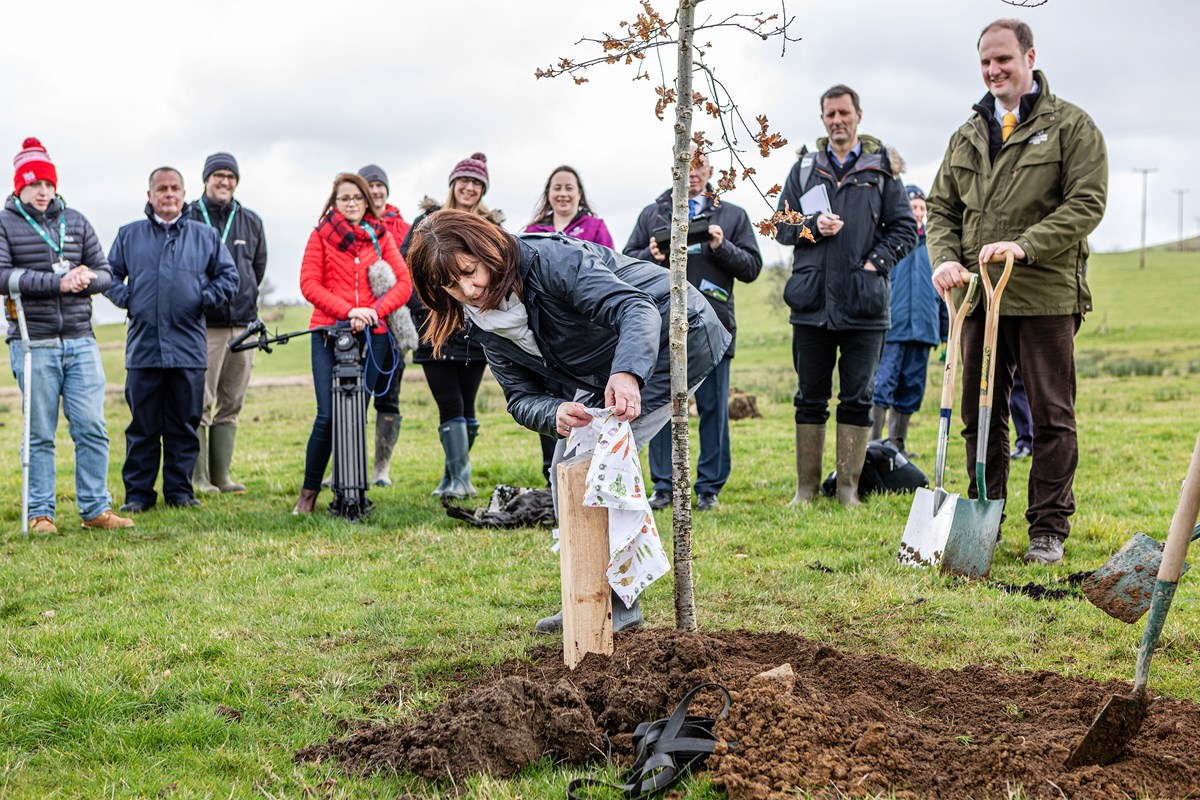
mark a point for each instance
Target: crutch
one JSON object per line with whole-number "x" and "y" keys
{"x": 17, "y": 310}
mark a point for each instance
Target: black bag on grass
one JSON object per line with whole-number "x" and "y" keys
{"x": 884, "y": 470}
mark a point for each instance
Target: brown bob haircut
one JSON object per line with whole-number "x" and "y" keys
{"x": 433, "y": 257}
{"x": 357, "y": 180}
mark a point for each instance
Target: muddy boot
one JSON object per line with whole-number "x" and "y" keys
{"x": 307, "y": 502}
{"x": 200, "y": 482}
{"x": 456, "y": 444}
{"x": 622, "y": 618}
{"x": 387, "y": 431}
{"x": 810, "y": 446}
{"x": 625, "y": 618}
{"x": 851, "y": 452}
{"x": 898, "y": 433}
{"x": 220, "y": 455}
{"x": 878, "y": 415}
{"x": 549, "y": 625}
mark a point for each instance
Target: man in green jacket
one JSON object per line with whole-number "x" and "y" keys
{"x": 1027, "y": 174}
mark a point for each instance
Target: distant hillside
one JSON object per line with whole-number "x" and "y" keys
{"x": 1190, "y": 245}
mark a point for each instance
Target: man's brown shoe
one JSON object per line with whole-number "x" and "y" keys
{"x": 106, "y": 520}
{"x": 42, "y": 525}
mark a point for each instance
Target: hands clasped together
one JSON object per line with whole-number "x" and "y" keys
{"x": 76, "y": 279}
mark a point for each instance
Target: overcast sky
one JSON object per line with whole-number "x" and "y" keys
{"x": 298, "y": 91}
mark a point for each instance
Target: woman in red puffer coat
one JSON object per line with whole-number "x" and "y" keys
{"x": 333, "y": 277}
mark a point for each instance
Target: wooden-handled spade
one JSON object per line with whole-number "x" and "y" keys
{"x": 1122, "y": 717}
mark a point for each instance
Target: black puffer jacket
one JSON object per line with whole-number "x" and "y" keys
{"x": 50, "y": 314}
{"x": 738, "y": 257}
{"x": 829, "y": 286}
{"x": 248, "y": 246}
{"x": 459, "y": 348}
{"x": 594, "y": 312}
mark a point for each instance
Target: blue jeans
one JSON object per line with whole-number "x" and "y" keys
{"x": 320, "y": 441}
{"x": 714, "y": 465}
{"x": 70, "y": 369}
{"x": 900, "y": 379}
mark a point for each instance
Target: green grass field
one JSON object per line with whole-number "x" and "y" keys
{"x": 117, "y": 649}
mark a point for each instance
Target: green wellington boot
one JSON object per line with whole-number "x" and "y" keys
{"x": 200, "y": 482}
{"x": 220, "y": 455}
{"x": 387, "y": 431}
{"x": 456, "y": 481}
{"x": 810, "y": 447}
{"x": 851, "y": 453}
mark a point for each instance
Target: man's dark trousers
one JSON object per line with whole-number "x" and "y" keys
{"x": 815, "y": 351}
{"x": 715, "y": 463}
{"x": 165, "y": 407}
{"x": 1043, "y": 349}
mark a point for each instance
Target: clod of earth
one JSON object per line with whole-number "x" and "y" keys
{"x": 833, "y": 724}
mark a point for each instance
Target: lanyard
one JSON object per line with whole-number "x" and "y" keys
{"x": 208, "y": 219}
{"x": 374, "y": 241}
{"x": 62, "y": 228}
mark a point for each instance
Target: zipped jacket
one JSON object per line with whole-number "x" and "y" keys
{"x": 594, "y": 312}
{"x": 584, "y": 226}
{"x": 712, "y": 271}
{"x": 1046, "y": 191}
{"x": 50, "y": 314}
{"x": 335, "y": 281}
{"x": 248, "y": 247}
{"x": 915, "y": 303}
{"x": 829, "y": 286}
{"x": 166, "y": 278}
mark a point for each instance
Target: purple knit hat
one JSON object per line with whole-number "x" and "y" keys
{"x": 473, "y": 167}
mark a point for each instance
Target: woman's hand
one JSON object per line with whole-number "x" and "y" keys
{"x": 362, "y": 318}
{"x": 624, "y": 395}
{"x": 571, "y": 415}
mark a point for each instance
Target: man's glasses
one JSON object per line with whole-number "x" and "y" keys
{"x": 347, "y": 199}
{"x": 227, "y": 177}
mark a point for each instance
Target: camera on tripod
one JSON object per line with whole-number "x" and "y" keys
{"x": 350, "y": 479}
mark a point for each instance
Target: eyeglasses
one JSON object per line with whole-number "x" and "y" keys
{"x": 347, "y": 199}
{"x": 223, "y": 176}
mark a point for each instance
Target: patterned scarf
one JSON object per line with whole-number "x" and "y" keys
{"x": 337, "y": 229}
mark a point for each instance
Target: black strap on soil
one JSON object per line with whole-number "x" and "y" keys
{"x": 665, "y": 751}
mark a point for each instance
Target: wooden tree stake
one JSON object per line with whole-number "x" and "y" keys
{"x": 583, "y": 554}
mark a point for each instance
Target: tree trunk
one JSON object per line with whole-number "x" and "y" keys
{"x": 681, "y": 488}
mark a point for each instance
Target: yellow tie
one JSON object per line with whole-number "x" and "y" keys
{"x": 1007, "y": 126}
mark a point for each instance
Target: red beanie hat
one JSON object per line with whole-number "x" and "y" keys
{"x": 32, "y": 165}
{"x": 473, "y": 167}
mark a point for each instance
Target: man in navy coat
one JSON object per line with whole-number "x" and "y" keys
{"x": 167, "y": 272}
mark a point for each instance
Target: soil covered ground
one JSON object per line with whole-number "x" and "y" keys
{"x": 839, "y": 725}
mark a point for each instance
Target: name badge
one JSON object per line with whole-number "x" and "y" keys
{"x": 61, "y": 267}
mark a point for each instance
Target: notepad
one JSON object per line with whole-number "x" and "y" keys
{"x": 815, "y": 201}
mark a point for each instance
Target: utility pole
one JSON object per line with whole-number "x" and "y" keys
{"x": 1181, "y": 193}
{"x": 1145, "y": 172}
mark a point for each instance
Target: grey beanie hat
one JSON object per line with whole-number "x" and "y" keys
{"x": 373, "y": 173}
{"x": 220, "y": 161}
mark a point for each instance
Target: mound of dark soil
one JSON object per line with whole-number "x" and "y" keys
{"x": 845, "y": 725}
{"x": 499, "y": 728}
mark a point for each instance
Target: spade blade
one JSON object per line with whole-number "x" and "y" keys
{"x": 1116, "y": 724}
